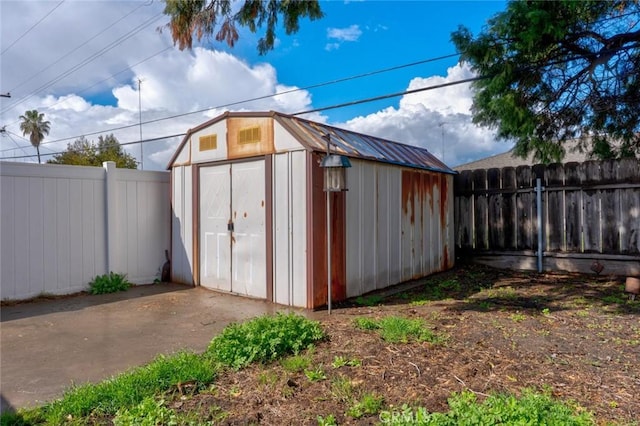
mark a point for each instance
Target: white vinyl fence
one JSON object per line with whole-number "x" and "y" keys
{"x": 60, "y": 226}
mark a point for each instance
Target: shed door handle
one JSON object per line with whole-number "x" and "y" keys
{"x": 230, "y": 226}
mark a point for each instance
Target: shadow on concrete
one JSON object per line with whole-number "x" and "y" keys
{"x": 75, "y": 302}
{"x": 5, "y": 406}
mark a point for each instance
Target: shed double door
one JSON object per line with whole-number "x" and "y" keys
{"x": 232, "y": 228}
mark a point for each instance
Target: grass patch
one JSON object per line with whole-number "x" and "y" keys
{"x": 264, "y": 339}
{"x": 395, "y": 329}
{"x": 121, "y": 392}
{"x": 529, "y": 409}
{"x": 148, "y": 413}
{"x": 295, "y": 363}
{"x": 131, "y": 394}
{"x": 109, "y": 283}
{"x": 342, "y": 388}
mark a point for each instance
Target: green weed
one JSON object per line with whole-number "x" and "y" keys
{"x": 529, "y": 409}
{"x": 342, "y": 389}
{"x": 399, "y": 330}
{"x": 148, "y": 413}
{"x": 369, "y": 403}
{"x": 264, "y": 339}
{"x": 517, "y": 317}
{"x": 109, "y": 283}
{"x": 315, "y": 375}
{"x": 330, "y": 420}
{"x": 295, "y": 363}
{"x": 340, "y": 361}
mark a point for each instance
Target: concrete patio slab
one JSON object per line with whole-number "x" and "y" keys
{"x": 47, "y": 346}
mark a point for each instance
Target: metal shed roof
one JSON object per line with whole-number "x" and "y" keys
{"x": 312, "y": 134}
{"x": 358, "y": 145}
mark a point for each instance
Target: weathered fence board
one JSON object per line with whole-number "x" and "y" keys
{"x": 480, "y": 210}
{"x": 524, "y": 209}
{"x": 590, "y": 207}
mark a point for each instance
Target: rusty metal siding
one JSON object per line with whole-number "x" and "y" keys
{"x": 289, "y": 229}
{"x": 373, "y": 227}
{"x": 181, "y": 226}
{"x": 262, "y": 146}
{"x": 426, "y": 223}
{"x": 399, "y": 225}
{"x": 317, "y": 235}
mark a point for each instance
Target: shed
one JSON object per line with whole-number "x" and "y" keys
{"x": 249, "y": 210}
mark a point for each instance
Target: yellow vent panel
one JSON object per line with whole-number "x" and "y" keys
{"x": 208, "y": 142}
{"x": 249, "y": 135}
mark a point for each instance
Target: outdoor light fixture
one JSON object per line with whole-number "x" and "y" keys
{"x": 335, "y": 180}
{"x": 335, "y": 173}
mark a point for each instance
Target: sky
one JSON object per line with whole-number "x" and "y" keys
{"x": 100, "y": 67}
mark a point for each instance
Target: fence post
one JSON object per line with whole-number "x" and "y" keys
{"x": 539, "y": 189}
{"x": 110, "y": 213}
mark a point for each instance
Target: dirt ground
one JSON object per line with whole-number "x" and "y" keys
{"x": 577, "y": 336}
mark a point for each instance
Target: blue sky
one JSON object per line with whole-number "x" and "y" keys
{"x": 45, "y": 68}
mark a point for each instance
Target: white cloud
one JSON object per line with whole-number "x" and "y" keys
{"x": 350, "y": 33}
{"x": 331, "y": 46}
{"x": 439, "y": 120}
{"x": 172, "y": 83}
{"x": 80, "y": 96}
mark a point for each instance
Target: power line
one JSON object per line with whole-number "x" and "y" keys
{"x": 47, "y": 108}
{"x": 77, "y": 47}
{"x": 121, "y": 144}
{"x": 32, "y": 27}
{"x": 86, "y": 61}
{"x": 391, "y": 95}
{"x": 313, "y": 86}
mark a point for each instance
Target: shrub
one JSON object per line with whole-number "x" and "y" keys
{"x": 264, "y": 339}
{"x": 109, "y": 283}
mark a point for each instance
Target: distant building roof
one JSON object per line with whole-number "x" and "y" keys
{"x": 508, "y": 159}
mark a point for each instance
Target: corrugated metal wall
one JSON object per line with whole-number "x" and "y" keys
{"x": 399, "y": 225}
{"x": 289, "y": 228}
{"x": 182, "y": 225}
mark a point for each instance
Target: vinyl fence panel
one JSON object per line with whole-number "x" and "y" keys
{"x": 60, "y": 226}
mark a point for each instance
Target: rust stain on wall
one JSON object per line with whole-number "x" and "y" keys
{"x": 243, "y": 150}
{"x": 407, "y": 195}
{"x": 444, "y": 202}
{"x": 317, "y": 234}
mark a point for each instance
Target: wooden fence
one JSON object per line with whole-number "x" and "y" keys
{"x": 590, "y": 211}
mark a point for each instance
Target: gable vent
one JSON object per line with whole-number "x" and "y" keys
{"x": 249, "y": 135}
{"x": 208, "y": 142}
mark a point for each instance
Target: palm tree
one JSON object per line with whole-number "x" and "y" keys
{"x": 34, "y": 125}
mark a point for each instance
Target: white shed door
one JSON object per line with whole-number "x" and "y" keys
{"x": 232, "y": 223}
